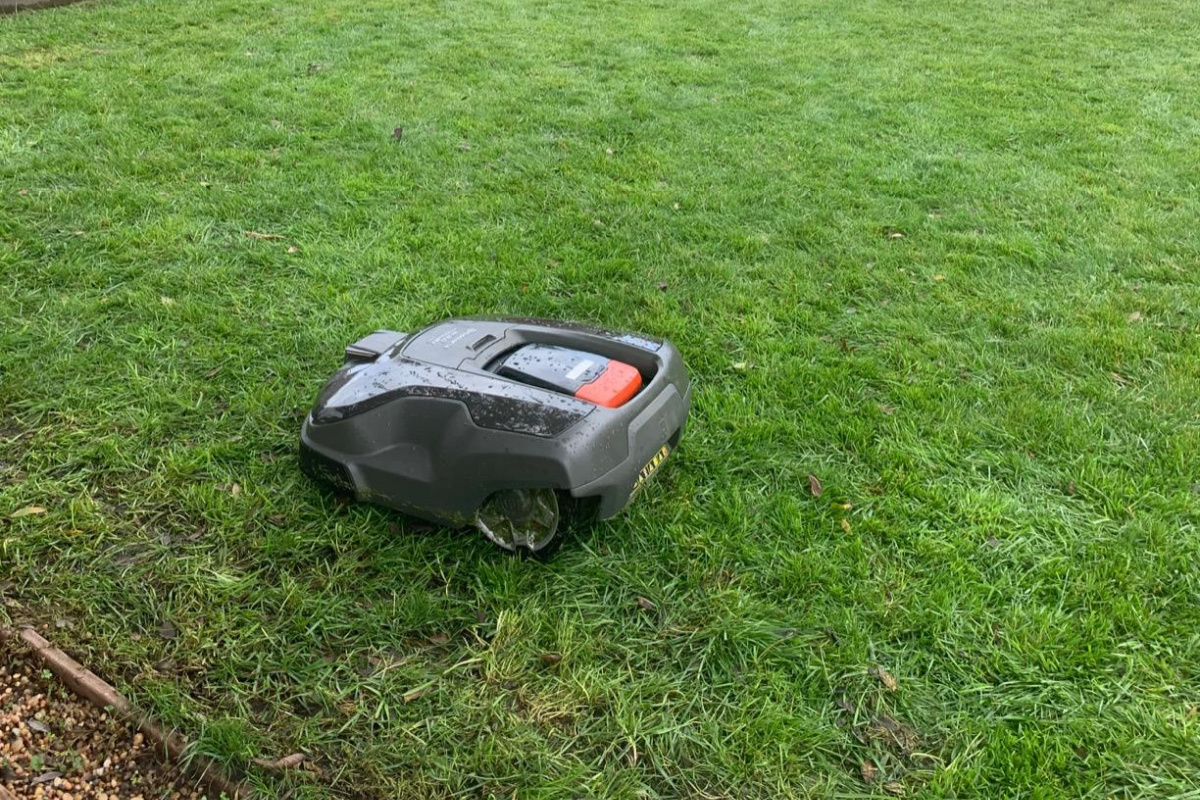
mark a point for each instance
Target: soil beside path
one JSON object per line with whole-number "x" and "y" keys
{"x": 56, "y": 746}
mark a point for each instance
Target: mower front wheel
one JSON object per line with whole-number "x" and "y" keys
{"x": 529, "y": 522}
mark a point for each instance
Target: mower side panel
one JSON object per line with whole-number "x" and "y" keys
{"x": 427, "y": 456}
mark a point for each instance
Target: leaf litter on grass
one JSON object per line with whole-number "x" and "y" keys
{"x": 886, "y": 678}
{"x": 27, "y": 511}
{"x": 898, "y": 737}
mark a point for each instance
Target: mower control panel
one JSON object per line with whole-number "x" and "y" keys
{"x": 585, "y": 376}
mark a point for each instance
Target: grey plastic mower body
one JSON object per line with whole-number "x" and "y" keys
{"x": 432, "y": 424}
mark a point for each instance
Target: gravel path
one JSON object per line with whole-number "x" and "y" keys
{"x": 55, "y": 746}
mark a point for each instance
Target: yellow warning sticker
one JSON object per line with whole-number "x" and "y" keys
{"x": 651, "y": 467}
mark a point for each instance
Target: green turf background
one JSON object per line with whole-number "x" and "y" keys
{"x": 943, "y": 255}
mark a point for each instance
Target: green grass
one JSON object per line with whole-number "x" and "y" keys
{"x": 1007, "y": 392}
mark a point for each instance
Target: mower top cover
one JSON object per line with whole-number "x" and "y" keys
{"x": 599, "y": 380}
{"x": 504, "y": 424}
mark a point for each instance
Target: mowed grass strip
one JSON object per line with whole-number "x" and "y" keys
{"x": 943, "y": 256}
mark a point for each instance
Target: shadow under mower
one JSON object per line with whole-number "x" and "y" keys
{"x": 508, "y": 425}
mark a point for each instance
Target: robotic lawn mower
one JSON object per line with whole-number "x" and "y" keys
{"x": 503, "y": 424}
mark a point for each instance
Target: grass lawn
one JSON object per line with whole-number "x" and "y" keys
{"x": 944, "y": 256}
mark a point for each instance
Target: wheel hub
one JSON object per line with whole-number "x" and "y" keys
{"x": 520, "y": 519}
